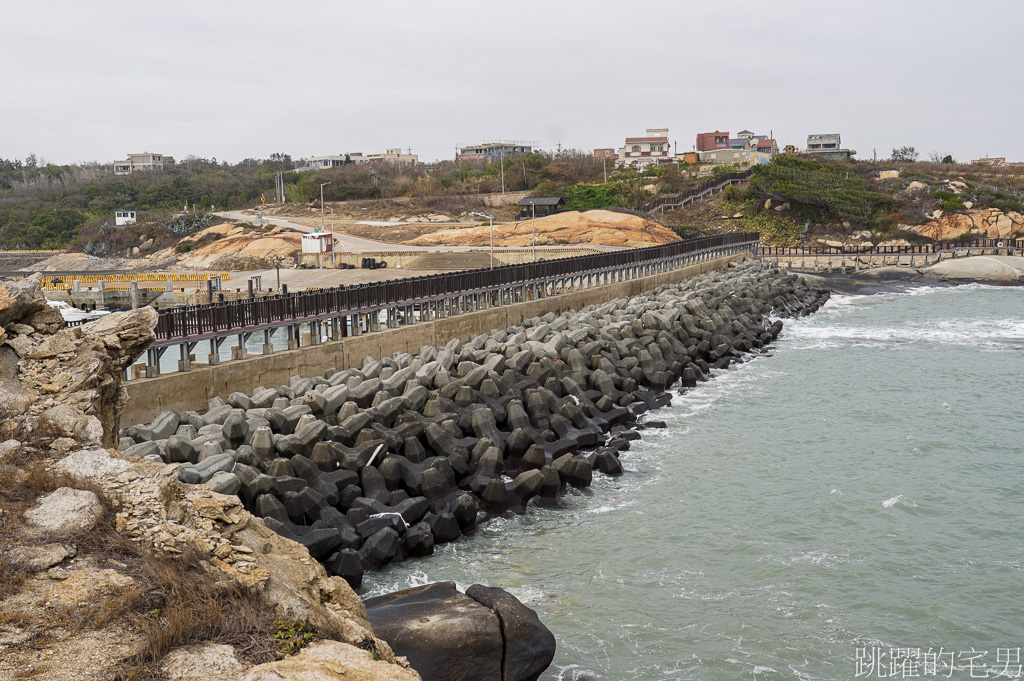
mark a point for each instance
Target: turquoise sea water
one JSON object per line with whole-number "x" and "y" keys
{"x": 858, "y": 489}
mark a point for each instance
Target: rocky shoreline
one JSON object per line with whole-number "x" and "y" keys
{"x": 991, "y": 270}
{"x": 361, "y": 467}
{"x": 368, "y": 466}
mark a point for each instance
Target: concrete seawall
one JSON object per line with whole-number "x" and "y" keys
{"x": 191, "y": 390}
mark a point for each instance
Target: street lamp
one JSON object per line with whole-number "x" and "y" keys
{"x": 491, "y": 218}
{"x": 322, "y": 185}
{"x": 533, "y": 220}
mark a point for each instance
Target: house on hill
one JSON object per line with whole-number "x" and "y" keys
{"x": 651, "y": 149}
{"x": 828, "y": 145}
{"x": 143, "y": 161}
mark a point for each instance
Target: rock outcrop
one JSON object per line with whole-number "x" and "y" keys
{"x": 988, "y": 223}
{"x": 594, "y": 227}
{"x": 64, "y": 382}
{"x": 236, "y": 242}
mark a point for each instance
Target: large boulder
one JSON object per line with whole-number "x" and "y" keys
{"x": 483, "y": 634}
{"x": 529, "y": 645}
{"x": 445, "y": 635}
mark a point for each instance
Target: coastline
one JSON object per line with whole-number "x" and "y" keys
{"x": 988, "y": 270}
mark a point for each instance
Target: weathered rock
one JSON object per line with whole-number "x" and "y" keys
{"x": 445, "y": 635}
{"x": 202, "y": 662}
{"x": 529, "y": 646}
{"x": 331, "y": 661}
{"x": 66, "y": 511}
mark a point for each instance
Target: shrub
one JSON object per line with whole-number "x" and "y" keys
{"x": 952, "y": 204}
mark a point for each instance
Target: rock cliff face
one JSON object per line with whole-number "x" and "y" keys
{"x": 78, "y": 530}
{"x": 594, "y": 227}
{"x": 984, "y": 223}
{"x": 65, "y": 382}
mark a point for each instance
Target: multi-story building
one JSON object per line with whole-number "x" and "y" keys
{"x": 143, "y": 161}
{"x": 706, "y": 141}
{"x": 651, "y": 149}
{"x": 492, "y": 151}
{"x": 828, "y": 145}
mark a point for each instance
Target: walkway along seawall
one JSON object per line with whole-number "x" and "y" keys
{"x": 190, "y": 390}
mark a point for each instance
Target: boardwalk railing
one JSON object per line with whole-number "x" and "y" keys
{"x": 674, "y": 201}
{"x": 352, "y": 310}
{"x": 910, "y": 249}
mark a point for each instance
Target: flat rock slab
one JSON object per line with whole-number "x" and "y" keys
{"x": 330, "y": 661}
{"x": 203, "y": 662}
{"x": 65, "y": 511}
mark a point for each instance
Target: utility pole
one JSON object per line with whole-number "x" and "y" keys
{"x": 604, "y": 162}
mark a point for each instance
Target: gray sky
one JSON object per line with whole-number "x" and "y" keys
{"x": 229, "y": 79}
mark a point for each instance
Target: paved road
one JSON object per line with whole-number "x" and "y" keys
{"x": 350, "y": 243}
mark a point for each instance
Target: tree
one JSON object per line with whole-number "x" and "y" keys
{"x": 937, "y": 157}
{"x": 904, "y": 155}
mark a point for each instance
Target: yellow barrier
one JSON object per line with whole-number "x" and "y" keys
{"x": 94, "y": 278}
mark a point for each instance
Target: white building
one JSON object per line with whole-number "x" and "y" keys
{"x": 337, "y": 160}
{"x": 124, "y": 217}
{"x": 318, "y": 242}
{"x": 651, "y": 149}
{"x": 143, "y": 161}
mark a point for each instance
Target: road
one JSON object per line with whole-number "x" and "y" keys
{"x": 350, "y": 243}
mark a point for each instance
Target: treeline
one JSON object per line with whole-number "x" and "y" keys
{"x": 44, "y": 205}
{"x": 49, "y": 206}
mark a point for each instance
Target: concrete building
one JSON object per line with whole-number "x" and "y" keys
{"x": 743, "y": 158}
{"x": 828, "y": 145}
{"x": 392, "y": 156}
{"x": 337, "y": 160}
{"x": 334, "y": 161}
{"x": 124, "y": 217}
{"x": 651, "y": 149}
{"x": 492, "y": 151}
{"x": 143, "y": 161}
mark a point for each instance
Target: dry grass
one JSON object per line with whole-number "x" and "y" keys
{"x": 185, "y": 604}
{"x": 176, "y": 599}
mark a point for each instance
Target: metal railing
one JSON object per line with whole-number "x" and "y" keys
{"x": 909, "y": 249}
{"x": 197, "y": 321}
{"x": 679, "y": 200}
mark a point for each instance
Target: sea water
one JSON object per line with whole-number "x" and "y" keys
{"x": 848, "y": 505}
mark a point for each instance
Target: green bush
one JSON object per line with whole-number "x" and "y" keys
{"x": 952, "y": 204}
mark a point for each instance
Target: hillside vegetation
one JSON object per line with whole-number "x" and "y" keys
{"x": 796, "y": 199}
{"x": 58, "y": 206}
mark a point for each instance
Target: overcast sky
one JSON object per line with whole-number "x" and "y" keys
{"x": 229, "y": 79}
